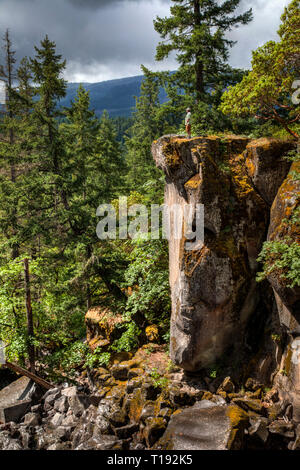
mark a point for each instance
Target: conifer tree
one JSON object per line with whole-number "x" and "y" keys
{"x": 80, "y": 137}
{"x": 196, "y": 31}
{"x": 47, "y": 191}
{"x": 9, "y": 148}
{"x": 95, "y": 165}
{"x": 47, "y": 67}
{"x": 25, "y": 88}
{"x": 149, "y": 124}
{"x": 110, "y": 158}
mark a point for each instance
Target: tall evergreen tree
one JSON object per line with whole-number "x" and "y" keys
{"x": 149, "y": 124}
{"x": 47, "y": 67}
{"x": 47, "y": 189}
{"x": 196, "y": 31}
{"x": 110, "y": 157}
{"x": 9, "y": 148}
{"x": 95, "y": 165}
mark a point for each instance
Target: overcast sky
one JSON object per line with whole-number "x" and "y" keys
{"x": 106, "y": 39}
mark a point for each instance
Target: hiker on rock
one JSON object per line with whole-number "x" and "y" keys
{"x": 188, "y": 126}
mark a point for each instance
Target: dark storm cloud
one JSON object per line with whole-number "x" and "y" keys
{"x": 94, "y": 4}
{"x": 98, "y": 43}
{"x": 101, "y": 3}
{"x": 104, "y": 39}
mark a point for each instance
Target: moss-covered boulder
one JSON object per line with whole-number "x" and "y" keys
{"x": 102, "y": 327}
{"x": 205, "y": 426}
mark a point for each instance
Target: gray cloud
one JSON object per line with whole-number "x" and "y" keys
{"x": 103, "y": 39}
{"x": 95, "y": 4}
{"x": 263, "y": 28}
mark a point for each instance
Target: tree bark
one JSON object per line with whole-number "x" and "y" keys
{"x": 30, "y": 331}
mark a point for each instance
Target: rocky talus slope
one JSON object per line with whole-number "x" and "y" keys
{"x": 129, "y": 409}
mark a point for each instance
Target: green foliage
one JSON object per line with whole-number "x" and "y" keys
{"x": 122, "y": 124}
{"x": 148, "y": 274}
{"x": 276, "y": 338}
{"x": 283, "y": 258}
{"x": 265, "y": 92}
{"x": 148, "y": 124}
{"x": 97, "y": 358}
{"x": 57, "y": 314}
{"x": 196, "y": 31}
{"x": 269, "y": 129}
{"x": 213, "y": 373}
{"x": 129, "y": 339}
{"x": 57, "y": 167}
{"x": 158, "y": 380}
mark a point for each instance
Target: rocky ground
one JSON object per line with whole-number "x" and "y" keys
{"x": 143, "y": 402}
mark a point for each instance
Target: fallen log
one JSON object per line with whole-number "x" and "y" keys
{"x": 43, "y": 383}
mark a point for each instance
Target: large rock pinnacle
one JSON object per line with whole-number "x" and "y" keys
{"x": 213, "y": 287}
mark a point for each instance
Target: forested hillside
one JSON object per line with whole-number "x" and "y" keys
{"x": 115, "y": 96}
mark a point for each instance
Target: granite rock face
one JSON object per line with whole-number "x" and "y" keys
{"x": 213, "y": 287}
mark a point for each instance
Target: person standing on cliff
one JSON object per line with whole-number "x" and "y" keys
{"x": 188, "y": 125}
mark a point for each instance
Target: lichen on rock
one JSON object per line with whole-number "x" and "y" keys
{"x": 213, "y": 288}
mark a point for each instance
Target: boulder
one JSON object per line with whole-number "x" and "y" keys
{"x": 7, "y": 443}
{"x": 120, "y": 371}
{"x": 154, "y": 429}
{"x": 56, "y": 420}
{"x": 282, "y": 428}
{"x": 32, "y": 419}
{"x": 103, "y": 443}
{"x": 126, "y": 431}
{"x": 103, "y": 327}
{"x": 227, "y": 386}
{"x": 135, "y": 372}
{"x": 259, "y": 429}
{"x": 50, "y": 398}
{"x": 267, "y": 166}
{"x": 205, "y": 426}
{"x": 133, "y": 383}
{"x": 78, "y": 404}
{"x": 61, "y": 405}
{"x": 250, "y": 404}
{"x": 16, "y": 400}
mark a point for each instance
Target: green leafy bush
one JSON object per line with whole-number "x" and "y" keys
{"x": 283, "y": 258}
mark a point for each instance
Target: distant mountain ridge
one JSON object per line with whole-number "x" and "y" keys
{"x": 116, "y": 96}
